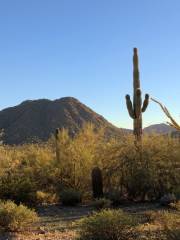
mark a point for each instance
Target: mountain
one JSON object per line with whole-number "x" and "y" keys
{"x": 35, "y": 120}
{"x": 159, "y": 128}
{"x": 38, "y": 119}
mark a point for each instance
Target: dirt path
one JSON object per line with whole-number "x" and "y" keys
{"x": 56, "y": 222}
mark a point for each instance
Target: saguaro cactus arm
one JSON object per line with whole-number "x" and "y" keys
{"x": 130, "y": 107}
{"x": 146, "y": 102}
{"x": 57, "y": 133}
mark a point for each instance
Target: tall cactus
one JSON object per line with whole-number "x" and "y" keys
{"x": 136, "y": 108}
{"x": 97, "y": 182}
{"x": 57, "y": 145}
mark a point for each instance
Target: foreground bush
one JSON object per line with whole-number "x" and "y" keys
{"x": 14, "y": 217}
{"x": 70, "y": 197}
{"x": 171, "y": 224}
{"x": 106, "y": 225}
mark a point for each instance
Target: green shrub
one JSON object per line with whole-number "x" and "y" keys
{"x": 70, "y": 197}
{"x": 14, "y": 217}
{"x": 106, "y": 225}
{"x": 17, "y": 188}
{"x": 101, "y": 203}
{"x": 45, "y": 197}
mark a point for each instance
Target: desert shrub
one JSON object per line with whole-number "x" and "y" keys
{"x": 46, "y": 197}
{"x": 171, "y": 225}
{"x": 101, "y": 203}
{"x": 106, "y": 225}
{"x": 17, "y": 188}
{"x": 70, "y": 197}
{"x": 14, "y": 217}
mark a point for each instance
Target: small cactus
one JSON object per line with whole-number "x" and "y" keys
{"x": 136, "y": 108}
{"x": 97, "y": 183}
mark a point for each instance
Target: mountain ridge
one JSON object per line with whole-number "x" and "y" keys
{"x": 33, "y": 120}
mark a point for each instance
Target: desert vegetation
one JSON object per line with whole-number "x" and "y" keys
{"x": 31, "y": 172}
{"x": 60, "y": 172}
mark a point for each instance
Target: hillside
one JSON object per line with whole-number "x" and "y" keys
{"x": 38, "y": 119}
{"x": 159, "y": 128}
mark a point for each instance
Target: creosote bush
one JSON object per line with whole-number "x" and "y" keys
{"x": 16, "y": 218}
{"x": 106, "y": 225}
{"x": 17, "y": 188}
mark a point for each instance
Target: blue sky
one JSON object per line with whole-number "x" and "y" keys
{"x": 83, "y": 48}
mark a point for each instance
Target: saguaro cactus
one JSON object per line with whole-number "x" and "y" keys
{"x": 97, "y": 183}
{"x": 136, "y": 108}
{"x": 57, "y": 145}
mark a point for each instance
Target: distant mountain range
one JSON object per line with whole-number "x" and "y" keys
{"x": 161, "y": 128}
{"x": 34, "y": 120}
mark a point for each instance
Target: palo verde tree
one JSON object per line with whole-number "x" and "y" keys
{"x": 136, "y": 108}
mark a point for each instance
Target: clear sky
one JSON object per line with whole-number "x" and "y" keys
{"x": 83, "y": 48}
